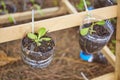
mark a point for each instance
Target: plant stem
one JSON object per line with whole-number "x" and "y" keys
{"x": 32, "y": 21}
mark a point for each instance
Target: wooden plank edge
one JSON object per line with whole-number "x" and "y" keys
{"x": 109, "y": 76}
{"x": 54, "y": 11}
{"x": 53, "y": 24}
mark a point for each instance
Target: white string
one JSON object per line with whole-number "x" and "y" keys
{"x": 33, "y": 21}
{"x": 85, "y": 4}
{"x": 83, "y": 75}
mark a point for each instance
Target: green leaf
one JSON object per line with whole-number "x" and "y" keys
{"x": 114, "y": 41}
{"x": 80, "y": 6}
{"x": 55, "y": 2}
{"x": 102, "y": 23}
{"x": 32, "y": 36}
{"x": 3, "y": 4}
{"x": 1, "y": 10}
{"x": 84, "y": 31}
{"x": 46, "y": 39}
{"x": 38, "y": 9}
{"x": 32, "y": 1}
{"x": 41, "y": 32}
{"x": 11, "y": 19}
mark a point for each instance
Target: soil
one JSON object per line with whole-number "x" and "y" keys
{"x": 100, "y": 31}
{"x": 90, "y": 45}
{"x": 44, "y": 47}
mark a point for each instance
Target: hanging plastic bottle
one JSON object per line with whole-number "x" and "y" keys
{"x": 93, "y": 38}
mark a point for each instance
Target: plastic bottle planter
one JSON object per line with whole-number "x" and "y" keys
{"x": 30, "y": 4}
{"x": 40, "y": 54}
{"x": 94, "y": 35}
{"x": 7, "y": 7}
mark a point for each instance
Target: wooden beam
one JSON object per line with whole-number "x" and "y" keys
{"x": 106, "y": 51}
{"x": 109, "y": 76}
{"x": 21, "y": 16}
{"x": 117, "y": 68}
{"x": 109, "y": 55}
{"x": 69, "y": 6}
{"x": 53, "y": 24}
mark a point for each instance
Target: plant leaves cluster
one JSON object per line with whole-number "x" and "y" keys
{"x": 38, "y": 38}
{"x": 85, "y": 31}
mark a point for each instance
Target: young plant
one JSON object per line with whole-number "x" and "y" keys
{"x": 10, "y": 17}
{"x": 38, "y": 38}
{"x": 38, "y": 7}
{"x": 80, "y": 6}
{"x": 90, "y": 30}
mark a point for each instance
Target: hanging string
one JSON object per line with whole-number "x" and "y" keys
{"x": 33, "y": 21}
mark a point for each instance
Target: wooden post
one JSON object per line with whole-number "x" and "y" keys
{"x": 117, "y": 69}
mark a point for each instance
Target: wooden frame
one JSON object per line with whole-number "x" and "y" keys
{"x": 21, "y": 16}
{"x": 64, "y": 22}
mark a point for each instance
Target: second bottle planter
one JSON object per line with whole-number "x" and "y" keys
{"x": 94, "y": 35}
{"x": 38, "y": 49}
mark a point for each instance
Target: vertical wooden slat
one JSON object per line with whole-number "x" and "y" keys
{"x": 117, "y": 69}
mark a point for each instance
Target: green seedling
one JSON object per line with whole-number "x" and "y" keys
{"x": 80, "y": 6}
{"x": 55, "y": 2}
{"x": 38, "y": 7}
{"x": 10, "y": 18}
{"x": 90, "y": 30}
{"x": 39, "y": 37}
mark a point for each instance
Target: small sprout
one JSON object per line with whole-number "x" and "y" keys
{"x": 1, "y": 10}
{"x": 34, "y": 5}
{"x": 32, "y": 1}
{"x": 85, "y": 31}
{"x": 55, "y": 2}
{"x": 3, "y": 4}
{"x": 39, "y": 37}
{"x": 11, "y": 19}
{"x": 114, "y": 41}
{"x": 38, "y": 8}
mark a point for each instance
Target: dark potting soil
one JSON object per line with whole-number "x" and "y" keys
{"x": 100, "y": 31}
{"x": 44, "y": 47}
{"x": 90, "y": 45}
